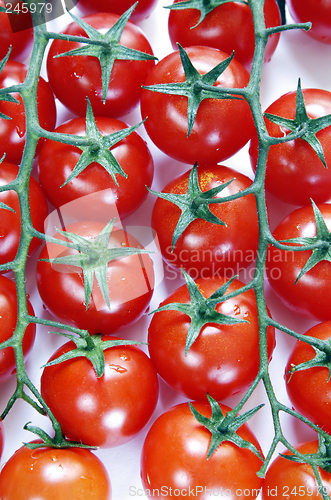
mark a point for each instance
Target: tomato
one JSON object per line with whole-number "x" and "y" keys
{"x": 8, "y": 321}
{"x": 15, "y": 31}
{"x": 13, "y": 131}
{"x": 10, "y": 222}
{"x": 295, "y": 173}
{"x": 227, "y": 355}
{"x": 106, "y": 411}
{"x": 142, "y": 10}
{"x": 318, "y": 13}
{"x": 290, "y": 480}
{"x": 57, "y": 161}
{"x": 221, "y": 127}
{"x": 205, "y": 248}
{"x": 48, "y": 473}
{"x": 174, "y": 459}
{"x": 130, "y": 283}
{"x": 310, "y": 390}
{"x": 73, "y": 78}
{"x": 228, "y": 27}
{"x": 310, "y": 296}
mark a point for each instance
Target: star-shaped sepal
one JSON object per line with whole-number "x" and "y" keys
{"x": 204, "y": 6}
{"x": 5, "y": 92}
{"x": 322, "y": 458}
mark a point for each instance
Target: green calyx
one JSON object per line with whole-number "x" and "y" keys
{"x": 322, "y": 357}
{"x": 322, "y": 458}
{"x": 109, "y": 49}
{"x": 193, "y": 204}
{"x": 5, "y": 93}
{"x": 201, "y": 310}
{"x": 224, "y": 428}
{"x": 204, "y": 6}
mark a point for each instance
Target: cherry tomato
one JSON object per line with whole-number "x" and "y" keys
{"x": 174, "y": 459}
{"x": 295, "y": 173}
{"x": 221, "y": 127}
{"x": 143, "y": 9}
{"x": 15, "y": 30}
{"x": 130, "y": 283}
{"x": 310, "y": 390}
{"x": 57, "y": 161}
{"x": 13, "y": 131}
{"x": 228, "y": 27}
{"x": 290, "y": 480}
{"x": 205, "y": 248}
{"x": 48, "y": 473}
{"x": 106, "y": 411}
{"x": 224, "y": 366}
{"x": 318, "y": 13}
{"x": 8, "y": 321}
{"x": 73, "y": 78}
{"x": 310, "y": 296}
{"x": 10, "y": 222}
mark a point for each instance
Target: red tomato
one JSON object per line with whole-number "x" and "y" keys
{"x": 310, "y": 390}
{"x": 130, "y": 284}
{"x": 216, "y": 363}
{"x": 221, "y": 127}
{"x": 143, "y": 9}
{"x": 57, "y": 161}
{"x": 295, "y": 163}
{"x": 174, "y": 459}
{"x": 10, "y": 222}
{"x": 318, "y": 13}
{"x": 13, "y": 131}
{"x": 290, "y": 480}
{"x": 204, "y": 248}
{"x": 73, "y": 78}
{"x": 106, "y": 411}
{"x": 228, "y": 27}
{"x": 8, "y": 320}
{"x": 311, "y": 295}
{"x": 15, "y": 30}
{"x": 48, "y": 473}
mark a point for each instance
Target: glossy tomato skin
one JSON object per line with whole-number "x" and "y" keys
{"x": 130, "y": 284}
{"x": 291, "y": 480}
{"x": 48, "y": 473}
{"x": 228, "y": 354}
{"x": 318, "y": 13}
{"x": 13, "y": 131}
{"x": 141, "y": 11}
{"x": 207, "y": 249}
{"x": 221, "y": 126}
{"x": 73, "y": 78}
{"x": 174, "y": 455}
{"x": 21, "y": 37}
{"x": 10, "y": 222}
{"x": 105, "y": 199}
{"x": 309, "y": 390}
{"x": 311, "y": 295}
{"x": 294, "y": 172}
{"x": 120, "y": 403}
{"x": 229, "y": 27}
{"x": 8, "y": 320}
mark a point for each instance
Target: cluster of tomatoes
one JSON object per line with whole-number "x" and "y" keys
{"x": 199, "y": 342}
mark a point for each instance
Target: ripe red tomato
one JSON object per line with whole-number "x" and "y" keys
{"x": 10, "y": 222}
{"x": 13, "y": 131}
{"x": 290, "y": 480}
{"x": 216, "y": 363}
{"x": 204, "y": 248}
{"x": 57, "y": 161}
{"x": 295, "y": 164}
{"x": 130, "y": 283}
{"x": 48, "y": 473}
{"x": 15, "y": 30}
{"x": 8, "y": 320}
{"x": 106, "y": 411}
{"x": 318, "y": 13}
{"x": 221, "y": 127}
{"x": 310, "y": 390}
{"x": 143, "y": 9}
{"x": 73, "y": 78}
{"x": 228, "y": 27}
{"x": 174, "y": 459}
{"x": 311, "y": 295}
